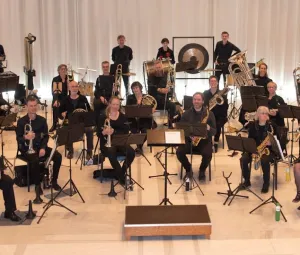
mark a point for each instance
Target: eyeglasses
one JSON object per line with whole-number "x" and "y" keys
{"x": 264, "y": 113}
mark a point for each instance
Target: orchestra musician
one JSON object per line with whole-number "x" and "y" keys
{"x": 165, "y": 52}
{"x": 258, "y": 130}
{"x": 103, "y": 89}
{"x": 117, "y": 123}
{"x": 39, "y": 136}
{"x": 273, "y": 103}
{"x": 73, "y": 102}
{"x": 222, "y": 53}
{"x": 262, "y": 79}
{"x": 219, "y": 111}
{"x": 198, "y": 114}
{"x": 138, "y": 125}
{"x": 2, "y": 57}
{"x": 6, "y": 185}
{"x": 157, "y": 87}
{"x": 122, "y": 54}
{"x": 57, "y": 94}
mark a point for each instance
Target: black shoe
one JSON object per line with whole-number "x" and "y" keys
{"x": 202, "y": 176}
{"x": 216, "y": 147}
{"x": 138, "y": 152}
{"x": 55, "y": 186}
{"x": 70, "y": 154}
{"x": 12, "y": 216}
{"x": 265, "y": 188}
{"x": 52, "y": 129}
{"x": 297, "y": 198}
{"x": 89, "y": 155}
{"x": 247, "y": 184}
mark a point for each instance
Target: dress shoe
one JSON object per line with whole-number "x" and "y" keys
{"x": 265, "y": 188}
{"x": 247, "y": 184}
{"x": 12, "y": 216}
{"x": 55, "y": 186}
{"x": 70, "y": 154}
{"x": 202, "y": 176}
{"x": 297, "y": 198}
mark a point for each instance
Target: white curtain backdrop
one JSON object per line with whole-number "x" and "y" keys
{"x": 83, "y": 33}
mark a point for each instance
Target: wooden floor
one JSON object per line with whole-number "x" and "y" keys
{"x": 98, "y": 227}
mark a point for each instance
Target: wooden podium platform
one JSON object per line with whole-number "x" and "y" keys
{"x": 167, "y": 221}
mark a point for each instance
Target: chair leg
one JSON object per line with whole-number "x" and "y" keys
{"x": 181, "y": 172}
{"x": 223, "y": 137}
{"x": 28, "y": 178}
{"x": 101, "y": 173}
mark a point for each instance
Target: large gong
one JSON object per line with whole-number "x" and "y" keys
{"x": 194, "y": 52}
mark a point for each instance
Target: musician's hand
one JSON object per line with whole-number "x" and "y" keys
{"x": 42, "y": 153}
{"x": 139, "y": 101}
{"x": 110, "y": 131}
{"x": 273, "y": 113}
{"x": 56, "y": 104}
{"x": 164, "y": 90}
{"x": 64, "y": 114}
{"x": 103, "y": 100}
{"x": 29, "y": 136}
{"x": 208, "y": 127}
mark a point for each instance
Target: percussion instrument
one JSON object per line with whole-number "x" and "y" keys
{"x": 157, "y": 66}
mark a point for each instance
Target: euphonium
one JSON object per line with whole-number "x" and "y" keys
{"x": 107, "y": 125}
{"x": 149, "y": 100}
{"x": 116, "y": 90}
{"x": 27, "y": 129}
{"x": 197, "y": 139}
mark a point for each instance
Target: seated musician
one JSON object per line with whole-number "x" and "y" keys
{"x": 103, "y": 89}
{"x": 58, "y": 96}
{"x": 6, "y": 185}
{"x": 198, "y": 114}
{"x": 220, "y": 111}
{"x": 73, "y": 102}
{"x": 262, "y": 79}
{"x": 117, "y": 126}
{"x": 157, "y": 87}
{"x": 258, "y": 130}
{"x": 165, "y": 52}
{"x": 39, "y": 136}
{"x": 274, "y": 102}
{"x": 141, "y": 125}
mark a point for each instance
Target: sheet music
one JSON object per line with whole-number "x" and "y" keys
{"x": 172, "y": 137}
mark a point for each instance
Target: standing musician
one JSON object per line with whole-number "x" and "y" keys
{"x": 114, "y": 122}
{"x": 122, "y": 54}
{"x": 2, "y": 57}
{"x": 222, "y": 53}
{"x": 262, "y": 79}
{"x": 165, "y": 52}
{"x": 258, "y": 130}
{"x": 73, "y": 102}
{"x": 6, "y": 185}
{"x": 157, "y": 87}
{"x": 198, "y": 114}
{"x": 219, "y": 111}
{"x": 57, "y": 94}
{"x": 273, "y": 103}
{"x": 39, "y": 136}
{"x": 142, "y": 124}
{"x": 103, "y": 89}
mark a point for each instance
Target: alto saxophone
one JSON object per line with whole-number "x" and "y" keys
{"x": 218, "y": 99}
{"x": 27, "y": 129}
{"x": 197, "y": 139}
{"x": 262, "y": 149}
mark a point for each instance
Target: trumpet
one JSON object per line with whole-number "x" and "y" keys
{"x": 27, "y": 129}
{"x": 116, "y": 89}
{"x": 107, "y": 125}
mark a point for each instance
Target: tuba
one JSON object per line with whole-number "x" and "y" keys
{"x": 27, "y": 129}
{"x": 296, "y": 74}
{"x": 116, "y": 90}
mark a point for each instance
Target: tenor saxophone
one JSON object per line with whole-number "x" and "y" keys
{"x": 197, "y": 139}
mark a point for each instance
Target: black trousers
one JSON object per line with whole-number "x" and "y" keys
{"x": 99, "y": 108}
{"x": 265, "y": 165}
{"x": 6, "y": 185}
{"x": 55, "y": 115}
{"x": 204, "y": 148}
{"x": 170, "y": 106}
{"x": 126, "y": 81}
{"x": 113, "y": 152}
{"x": 224, "y": 70}
{"x": 34, "y": 165}
{"x": 140, "y": 126}
{"x": 219, "y": 124}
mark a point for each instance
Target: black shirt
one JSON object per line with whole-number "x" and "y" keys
{"x": 104, "y": 86}
{"x": 119, "y": 126}
{"x": 68, "y": 105}
{"x": 220, "y": 111}
{"x": 165, "y": 54}
{"x": 273, "y": 104}
{"x": 192, "y": 116}
{"x": 262, "y": 81}
{"x": 64, "y": 93}
{"x": 39, "y": 127}
{"x": 223, "y": 52}
{"x": 122, "y": 55}
{"x": 154, "y": 83}
{"x": 259, "y": 133}
{"x": 2, "y": 53}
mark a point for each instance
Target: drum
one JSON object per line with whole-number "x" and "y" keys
{"x": 157, "y": 66}
{"x": 86, "y": 88}
{"x": 229, "y": 80}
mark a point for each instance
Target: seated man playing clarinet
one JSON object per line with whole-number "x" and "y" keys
{"x": 114, "y": 122}
{"x": 32, "y": 138}
{"x": 198, "y": 114}
{"x": 258, "y": 130}
{"x": 138, "y": 98}
{"x": 77, "y": 103}
{"x": 219, "y": 110}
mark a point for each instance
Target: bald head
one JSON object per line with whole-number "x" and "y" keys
{"x": 73, "y": 87}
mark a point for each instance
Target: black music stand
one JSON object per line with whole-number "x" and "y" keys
{"x": 293, "y": 112}
{"x": 242, "y": 144}
{"x": 199, "y": 129}
{"x": 53, "y": 202}
{"x": 6, "y": 121}
{"x": 138, "y": 112}
{"x": 88, "y": 120}
{"x": 278, "y": 154}
{"x": 67, "y": 136}
{"x": 7, "y": 85}
{"x": 158, "y": 138}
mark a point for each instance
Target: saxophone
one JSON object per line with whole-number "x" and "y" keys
{"x": 218, "y": 99}
{"x": 197, "y": 139}
{"x": 262, "y": 149}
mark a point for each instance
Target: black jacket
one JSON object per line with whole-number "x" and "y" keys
{"x": 273, "y": 103}
{"x": 259, "y": 133}
{"x": 39, "y": 127}
{"x": 64, "y": 93}
{"x": 193, "y": 117}
{"x": 219, "y": 111}
{"x": 122, "y": 55}
{"x": 67, "y": 105}
{"x": 2, "y": 52}
{"x": 165, "y": 54}
{"x": 223, "y": 52}
{"x": 262, "y": 81}
{"x": 104, "y": 86}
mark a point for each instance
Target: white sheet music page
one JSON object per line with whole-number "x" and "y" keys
{"x": 172, "y": 137}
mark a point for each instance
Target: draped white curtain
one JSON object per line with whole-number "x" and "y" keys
{"x": 83, "y": 33}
